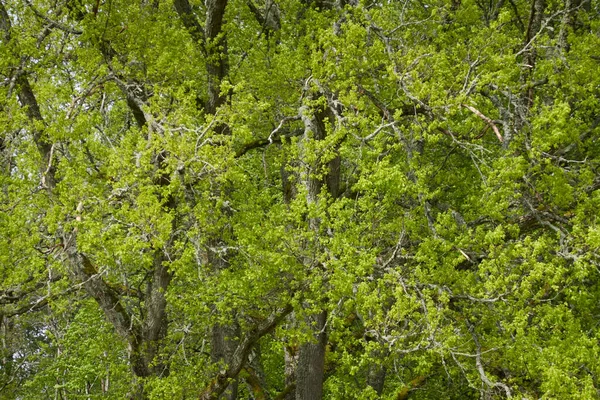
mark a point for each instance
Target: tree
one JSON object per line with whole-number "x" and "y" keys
{"x": 299, "y": 199}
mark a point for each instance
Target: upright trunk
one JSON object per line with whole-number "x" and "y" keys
{"x": 224, "y": 336}
{"x": 290, "y": 352}
{"x": 217, "y": 64}
{"x": 310, "y": 371}
{"x": 291, "y": 364}
{"x": 223, "y": 345}
{"x": 568, "y": 22}
{"x": 376, "y": 378}
{"x": 154, "y": 328}
{"x": 213, "y": 44}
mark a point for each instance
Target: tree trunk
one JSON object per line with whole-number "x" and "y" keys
{"x": 376, "y": 378}
{"x": 223, "y": 345}
{"x": 155, "y": 321}
{"x": 310, "y": 372}
{"x": 291, "y": 363}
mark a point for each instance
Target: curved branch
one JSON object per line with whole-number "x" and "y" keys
{"x": 486, "y": 120}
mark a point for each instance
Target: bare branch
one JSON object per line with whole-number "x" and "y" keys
{"x": 479, "y": 366}
{"x": 283, "y": 121}
{"x": 486, "y": 120}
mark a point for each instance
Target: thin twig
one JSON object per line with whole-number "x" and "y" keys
{"x": 283, "y": 121}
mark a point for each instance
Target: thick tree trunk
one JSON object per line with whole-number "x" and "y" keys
{"x": 310, "y": 372}
{"x": 212, "y": 43}
{"x": 568, "y": 22}
{"x": 155, "y": 326}
{"x": 217, "y": 64}
{"x": 376, "y": 378}
{"x": 223, "y": 345}
{"x": 224, "y": 337}
{"x": 291, "y": 363}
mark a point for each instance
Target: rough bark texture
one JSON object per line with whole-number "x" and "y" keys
{"x": 535, "y": 22}
{"x": 155, "y": 323}
{"x": 568, "y": 22}
{"x": 291, "y": 363}
{"x": 217, "y": 63}
{"x": 223, "y": 345}
{"x": 311, "y": 362}
{"x": 376, "y": 378}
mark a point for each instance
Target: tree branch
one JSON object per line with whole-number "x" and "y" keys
{"x": 388, "y": 113}
{"x": 480, "y": 369}
{"x": 486, "y": 120}
{"x": 32, "y": 109}
{"x": 265, "y": 142}
{"x": 52, "y": 23}
{"x": 11, "y": 296}
{"x": 240, "y": 356}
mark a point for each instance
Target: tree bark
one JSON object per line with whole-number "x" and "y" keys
{"x": 310, "y": 372}
{"x": 291, "y": 363}
{"x": 535, "y": 22}
{"x": 155, "y": 324}
{"x": 213, "y": 44}
{"x": 376, "y": 378}
{"x": 217, "y": 63}
{"x": 223, "y": 345}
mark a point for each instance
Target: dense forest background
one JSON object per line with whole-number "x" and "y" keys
{"x": 296, "y": 199}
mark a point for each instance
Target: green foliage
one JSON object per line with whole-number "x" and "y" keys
{"x": 426, "y": 174}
